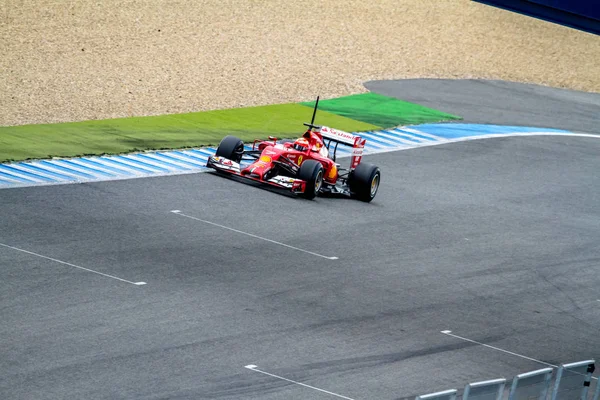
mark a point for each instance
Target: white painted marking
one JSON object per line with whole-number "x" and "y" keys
{"x": 46, "y": 172}
{"x": 254, "y": 368}
{"x": 449, "y": 333}
{"x": 11, "y": 179}
{"x": 199, "y": 157}
{"x": 207, "y": 151}
{"x": 178, "y": 212}
{"x": 61, "y": 162}
{"x": 342, "y": 153}
{"x": 163, "y": 161}
{"x": 145, "y": 164}
{"x": 417, "y": 132}
{"x": 24, "y": 168}
{"x": 24, "y": 176}
{"x": 120, "y": 165}
{"x": 372, "y": 136}
{"x": 194, "y": 161}
{"x": 394, "y": 139}
{"x": 94, "y": 167}
{"x": 72, "y": 265}
{"x": 57, "y": 170}
{"x": 490, "y": 136}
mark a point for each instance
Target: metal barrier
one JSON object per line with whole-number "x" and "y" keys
{"x": 445, "y": 395}
{"x": 531, "y": 385}
{"x": 572, "y": 382}
{"x": 597, "y": 394}
{"x": 486, "y": 390}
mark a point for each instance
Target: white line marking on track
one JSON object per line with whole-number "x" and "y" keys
{"x": 253, "y": 367}
{"x": 449, "y": 333}
{"x": 72, "y": 265}
{"x": 418, "y": 132}
{"x": 178, "y": 212}
{"x": 416, "y": 145}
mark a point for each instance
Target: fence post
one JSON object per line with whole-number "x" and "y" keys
{"x": 597, "y": 394}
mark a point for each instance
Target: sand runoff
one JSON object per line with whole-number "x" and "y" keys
{"x": 76, "y": 60}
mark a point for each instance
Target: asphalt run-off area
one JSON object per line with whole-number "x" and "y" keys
{"x": 477, "y": 260}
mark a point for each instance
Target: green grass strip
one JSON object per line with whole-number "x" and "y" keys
{"x": 124, "y": 135}
{"x": 381, "y": 110}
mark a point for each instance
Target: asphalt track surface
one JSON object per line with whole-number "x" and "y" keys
{"x": 500, "y": 102}
{"x": 496, "y": 240}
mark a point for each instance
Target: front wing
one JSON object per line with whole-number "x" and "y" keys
{"x": 223, "y": 164}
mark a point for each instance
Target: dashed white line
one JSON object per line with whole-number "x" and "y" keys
{"x": 254, "y": 368}
{"x": 178, "y": 212}
{"x": 73, "y": 265}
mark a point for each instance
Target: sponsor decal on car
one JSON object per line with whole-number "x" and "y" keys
{"x": 285, "y": 181}
{"x": 336, "y": 134}
{"x": 224, "y": 163}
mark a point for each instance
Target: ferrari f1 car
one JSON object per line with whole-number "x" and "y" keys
{"x": 306, "y": 166}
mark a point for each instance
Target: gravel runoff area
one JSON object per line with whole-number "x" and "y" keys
{"x": 85, "y": 59}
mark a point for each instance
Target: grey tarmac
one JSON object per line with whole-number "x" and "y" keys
{"x": 496, "y": 240}
{"x": 500, "y": 102}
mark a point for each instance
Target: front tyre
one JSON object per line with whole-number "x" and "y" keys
{"x": 364, "y": 182}
{"x": 311, "y": 172}
{"x": 231, "y": 148}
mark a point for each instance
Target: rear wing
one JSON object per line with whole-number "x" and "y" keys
{"x": 338, "y": 136}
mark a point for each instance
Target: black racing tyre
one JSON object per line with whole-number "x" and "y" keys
{"x": 231, "y": 148}
{"x": 364, "y": 182}
{"x": 283, "y": 141}
{"x": 311, "y": 172}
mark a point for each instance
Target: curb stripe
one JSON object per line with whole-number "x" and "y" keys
{"x": 66, "y": 170}
{"x": 12, "y": 178}
{"x": 20, "y": 175}
{"x": 120, "y": 162}
{"x": 98, "y": 164}
{"x": 420, "y": 134}
{"x": 37, "y": 172}
{"x": 163, "y": 162}
{"x": 75, "y": 163}
{"x": 133, "y": 162}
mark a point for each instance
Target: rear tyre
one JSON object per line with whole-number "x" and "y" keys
{"x": 284, "y": 141}
{"x": 231, "y": 148}
{"x": 311, "y": 172}
{"x": 364, "y": 182}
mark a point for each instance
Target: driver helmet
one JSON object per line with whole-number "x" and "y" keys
{"x": 301, "y": 144}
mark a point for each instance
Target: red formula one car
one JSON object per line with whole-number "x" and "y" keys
{"x": 306, "y": 166}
